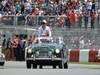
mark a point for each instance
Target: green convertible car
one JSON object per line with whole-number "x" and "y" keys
{"x": 47, "y": 52}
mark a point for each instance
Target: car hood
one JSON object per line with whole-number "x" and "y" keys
{"x": 51, "y": 46}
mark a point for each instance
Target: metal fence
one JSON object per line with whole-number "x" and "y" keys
{"x": 79, "y": 38}
{"x": 75, "y": 37}
{"x": 57, "y": 21}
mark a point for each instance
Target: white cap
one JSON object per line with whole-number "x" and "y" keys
{"x": 44, "y": 21}
{"x": 51, "y": 2}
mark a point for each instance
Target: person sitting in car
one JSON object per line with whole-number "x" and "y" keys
{"x": 44, "y": 30}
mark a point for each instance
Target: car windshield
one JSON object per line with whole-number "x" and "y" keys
{"x": 45, "y": 41}
{"x": 57, "y": 40}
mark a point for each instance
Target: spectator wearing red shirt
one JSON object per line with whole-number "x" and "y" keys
{"x": 40, "y": 1}
{"x": 73, "y": 17}
{"x": 15, "y": 43}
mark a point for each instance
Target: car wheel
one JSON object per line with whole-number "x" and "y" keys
{"x": 54, "y": 66}
{"x": 60, "y": 65}
{"x": 28, "y": 64}
{"x": 40, "y": 66}
{"x": 34, "y": 65}
{"x": 66, "y": 65}
{"x": 1, "y": 63}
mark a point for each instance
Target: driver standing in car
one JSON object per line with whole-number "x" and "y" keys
{"x": 44, "y": 30}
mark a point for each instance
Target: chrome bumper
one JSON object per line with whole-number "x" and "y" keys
{"x": 2, "y": 60}
{"x": 51, "y": 59}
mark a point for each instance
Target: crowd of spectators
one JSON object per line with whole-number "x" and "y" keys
{"x": 68, "y": 12}
{"x": 38, "y": 7}
{"x": 83, "y": 42}
{"x": 14, "y": 48}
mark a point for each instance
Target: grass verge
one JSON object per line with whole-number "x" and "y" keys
{"x": 86, "y": 63}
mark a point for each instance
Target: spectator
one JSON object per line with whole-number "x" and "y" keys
{"x": 73, "y": 17}
{"x": 67, "y": 22}
{"x": 80, "y": 16}
{"x": 61, "y": 19}
{"x": 36, "y": 10}
{"x": 22, "y": 7}
{"x": 40, "y": 1}
{"x": 13, "y": 10}
{"x": 22, "y": 44}
{"x": 47, "y": 2}
{"x": 93, "y": 17}
{"x": 8, "y": 53}
{"x": 4, "y": 43}
{"x": 89, "y": 6}
{"x": 28, "y": 7}
{"x": 56, "y": 9}
{"x": 1, "y": 8}
{"x": 18, "y": 7}
{"x": 93, "y": 43}
{"x": 15, "y": 43}
{"x": 81, "y": 42}
{"x": 93, "y": 6}
{"x": 29, "y": 41}
{"x": 86, "y": 17}
{"x": 98, "y": 17}
{"x": 4, "y": 2}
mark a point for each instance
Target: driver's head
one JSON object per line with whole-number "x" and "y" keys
{"x": 44, "y": 23}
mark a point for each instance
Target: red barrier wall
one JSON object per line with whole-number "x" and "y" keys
{"x": 74, "y": 55}
{"x": 92, "y": 55}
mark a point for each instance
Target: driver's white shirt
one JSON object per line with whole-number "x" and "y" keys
{"x": 42, "y": 31}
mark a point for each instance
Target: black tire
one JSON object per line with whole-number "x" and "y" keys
{"x": 28, "y": 64}
{"x": 66, "y": 65}
{"x": 60, "y": 65}
{"x": 34, "y": 65}
{"x": 40, "y": 66}
{"x": 1, "y": 63}
{"x": 54, "y": 66}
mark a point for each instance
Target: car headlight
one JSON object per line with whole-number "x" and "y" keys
{"x": 29, "y": 51}
{"x": 3, "y": 56}
{"x": 57, "y": 51}
{"x": 37, "y": 53}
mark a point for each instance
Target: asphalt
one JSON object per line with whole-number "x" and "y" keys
{"x": 19, "y": 68}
